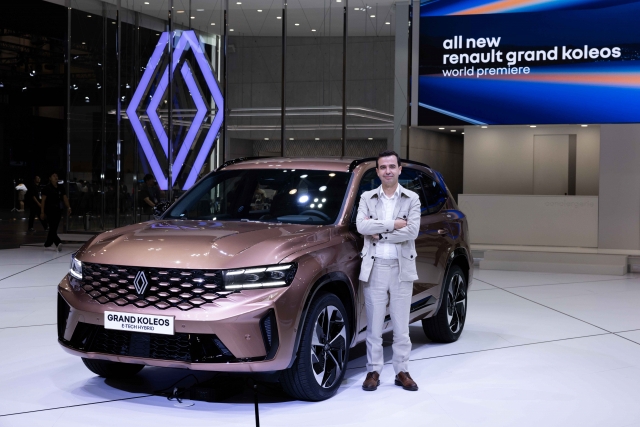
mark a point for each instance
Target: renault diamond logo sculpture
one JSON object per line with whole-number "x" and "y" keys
{"x": 150, "y": 92}
{"x": 140, "y": 282}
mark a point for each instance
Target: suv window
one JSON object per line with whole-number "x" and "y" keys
{"x": 436, "y": 195}
{"x": 273, "y": 195}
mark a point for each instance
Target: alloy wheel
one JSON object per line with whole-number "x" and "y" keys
{"x": 328, "y": 346}
{"x": 456, "y": 303}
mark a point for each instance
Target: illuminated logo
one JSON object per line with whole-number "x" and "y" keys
{"x": 153, "y": 90}
{"x": 140, "y": 282}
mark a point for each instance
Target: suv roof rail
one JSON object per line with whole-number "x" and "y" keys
{"x": 240, "y": 160}
{"x": 355, "y": 163}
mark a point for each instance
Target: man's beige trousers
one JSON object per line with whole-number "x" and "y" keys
{"x": 384, "y": 287}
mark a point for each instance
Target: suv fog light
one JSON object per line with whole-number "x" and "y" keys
{"x": 274, "y": 276}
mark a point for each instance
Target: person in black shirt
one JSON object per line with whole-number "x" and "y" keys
{"x": 54, "y": 199}
{"x": 149, "y": 194}
{"x": 34, "y": 201}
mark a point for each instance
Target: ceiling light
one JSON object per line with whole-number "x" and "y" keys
{"x": 213, "y": 23}
{"x": 316, "y": 200}
{"x": 83, "y": 43}
{"x": 278, "y": 17}
{"x": 193, "y": 17}
{"x": 372, "y": 16}
{"x": 320, "y": 205}
{"x": 312, "y": 205}
{"x": 231, "y": 29}
{"x": 303, "y": 176}
{"x": 180, "y": 11}
{"x": 290, "y": 139}
{"x": 324, "y": 200}
{"x": 239, "y": 2}
{"x": 294, "y": 191}
{"x": 317, "y": 139}
{"x": 1, "y": 84}
{"x": 484, "y": 127}
{"x": 441, "y": 128}
{"x": 303, "y": 199}
{"x": 370, "y": 139}
{"x": 324, "y": 187}
{"x": 453, "y": 130}
{"x": 200, "y": 10}
{"x": 259, "y": 10}
{"x": 88, "y": 16}
{"x": 462, "y": 133}
{"x": 313, "y": 30}
{"x": 146, "y": 2}
{"x": 356, "y": 8}
{"x": 532, "y": 126}
{"x": 297, "y": 25}
{"x": 266, "y": 139}
{"x": 338, "y": 1}
{"x": 387, "y": 23}
{"x": 332, "y": 174}
{"x": 584, "y": 126}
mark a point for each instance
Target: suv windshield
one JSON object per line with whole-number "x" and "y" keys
{"x": 269, "y": 195}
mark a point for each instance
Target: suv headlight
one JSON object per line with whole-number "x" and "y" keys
{"x": 75, "y": 269}
{"x": 269, "y": 276}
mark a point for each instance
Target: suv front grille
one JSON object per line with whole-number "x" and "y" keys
{"x": 165, "y": 288}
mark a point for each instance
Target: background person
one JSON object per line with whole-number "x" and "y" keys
{"x": 54, "y": 200}
{"x": 389, "y": 219}
{"x": 149, "y": 194}
{"x": 22, "y": 190}
{"x": 34, "y": 201}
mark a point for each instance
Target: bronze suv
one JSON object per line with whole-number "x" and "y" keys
{"x": 255, "y": 269}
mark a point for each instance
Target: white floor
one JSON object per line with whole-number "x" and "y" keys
{"x": 538, "y": 350}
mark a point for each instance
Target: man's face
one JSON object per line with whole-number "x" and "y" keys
{"x": 53, "y": 178}
{"x": 388, "y": 170}
{"x": 36, "y": 180}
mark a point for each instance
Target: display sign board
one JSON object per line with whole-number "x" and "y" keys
{"x": 529, "y": 61}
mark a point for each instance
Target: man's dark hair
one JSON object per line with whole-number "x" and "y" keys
{"x": 387, "y": 153}
{"x": 148, "y": 177}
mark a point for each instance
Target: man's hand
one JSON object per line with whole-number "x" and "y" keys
{"x": 375, "y": 237}
{"x": 399, "y": 223}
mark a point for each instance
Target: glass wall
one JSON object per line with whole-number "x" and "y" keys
{"x": 174, "y": 88}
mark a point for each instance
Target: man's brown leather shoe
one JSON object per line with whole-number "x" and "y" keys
{"x": 372, "y": 381}
{"x": 404, "y": 379}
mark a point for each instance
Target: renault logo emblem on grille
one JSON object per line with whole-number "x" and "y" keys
{"x": 140, "y": 282}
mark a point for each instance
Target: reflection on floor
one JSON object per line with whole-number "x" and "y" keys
{"x": 538, "y": 350}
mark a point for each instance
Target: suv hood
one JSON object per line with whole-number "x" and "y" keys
{"x": 201, "y": 244}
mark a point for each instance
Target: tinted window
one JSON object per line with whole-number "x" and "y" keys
{"x": 292, "y": 196}
{"x": 435, "y": 194}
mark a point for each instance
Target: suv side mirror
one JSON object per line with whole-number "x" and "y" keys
{"x": 160, "y": 208}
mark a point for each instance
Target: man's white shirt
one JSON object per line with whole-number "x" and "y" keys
{"x": 383, "y": 249}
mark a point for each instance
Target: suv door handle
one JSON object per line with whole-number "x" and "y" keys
{"x": 443, "y": 231}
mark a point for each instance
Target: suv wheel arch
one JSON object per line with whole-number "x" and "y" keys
{"x": 460, "y": 258}
{"x": 336, "y": 283}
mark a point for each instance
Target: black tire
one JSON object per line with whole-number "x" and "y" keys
{"x": 321, "y": 362}
{"x": 447, "y": 325}
{"x": 108, "y": 369}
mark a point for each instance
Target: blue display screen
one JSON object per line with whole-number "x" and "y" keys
{"x": 529, "y": 61}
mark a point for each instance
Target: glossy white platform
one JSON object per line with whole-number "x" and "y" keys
{"x": 538, "y": 349}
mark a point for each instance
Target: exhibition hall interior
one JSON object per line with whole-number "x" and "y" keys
{"x": 202, "y": 204}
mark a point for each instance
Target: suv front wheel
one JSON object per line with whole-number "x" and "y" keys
{"x": 322, "y": 357}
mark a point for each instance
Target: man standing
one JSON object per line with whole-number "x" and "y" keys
{"x": 389, "y": 220}
{"x": 34, "y": 200}
{"x": 149, "y": 194}
{"x": 54, "y": 198}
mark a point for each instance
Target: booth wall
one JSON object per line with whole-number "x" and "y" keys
{"x": 500, "y": 160}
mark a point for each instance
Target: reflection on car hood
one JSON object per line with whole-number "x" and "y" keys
{"x": 201, "y": 244}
